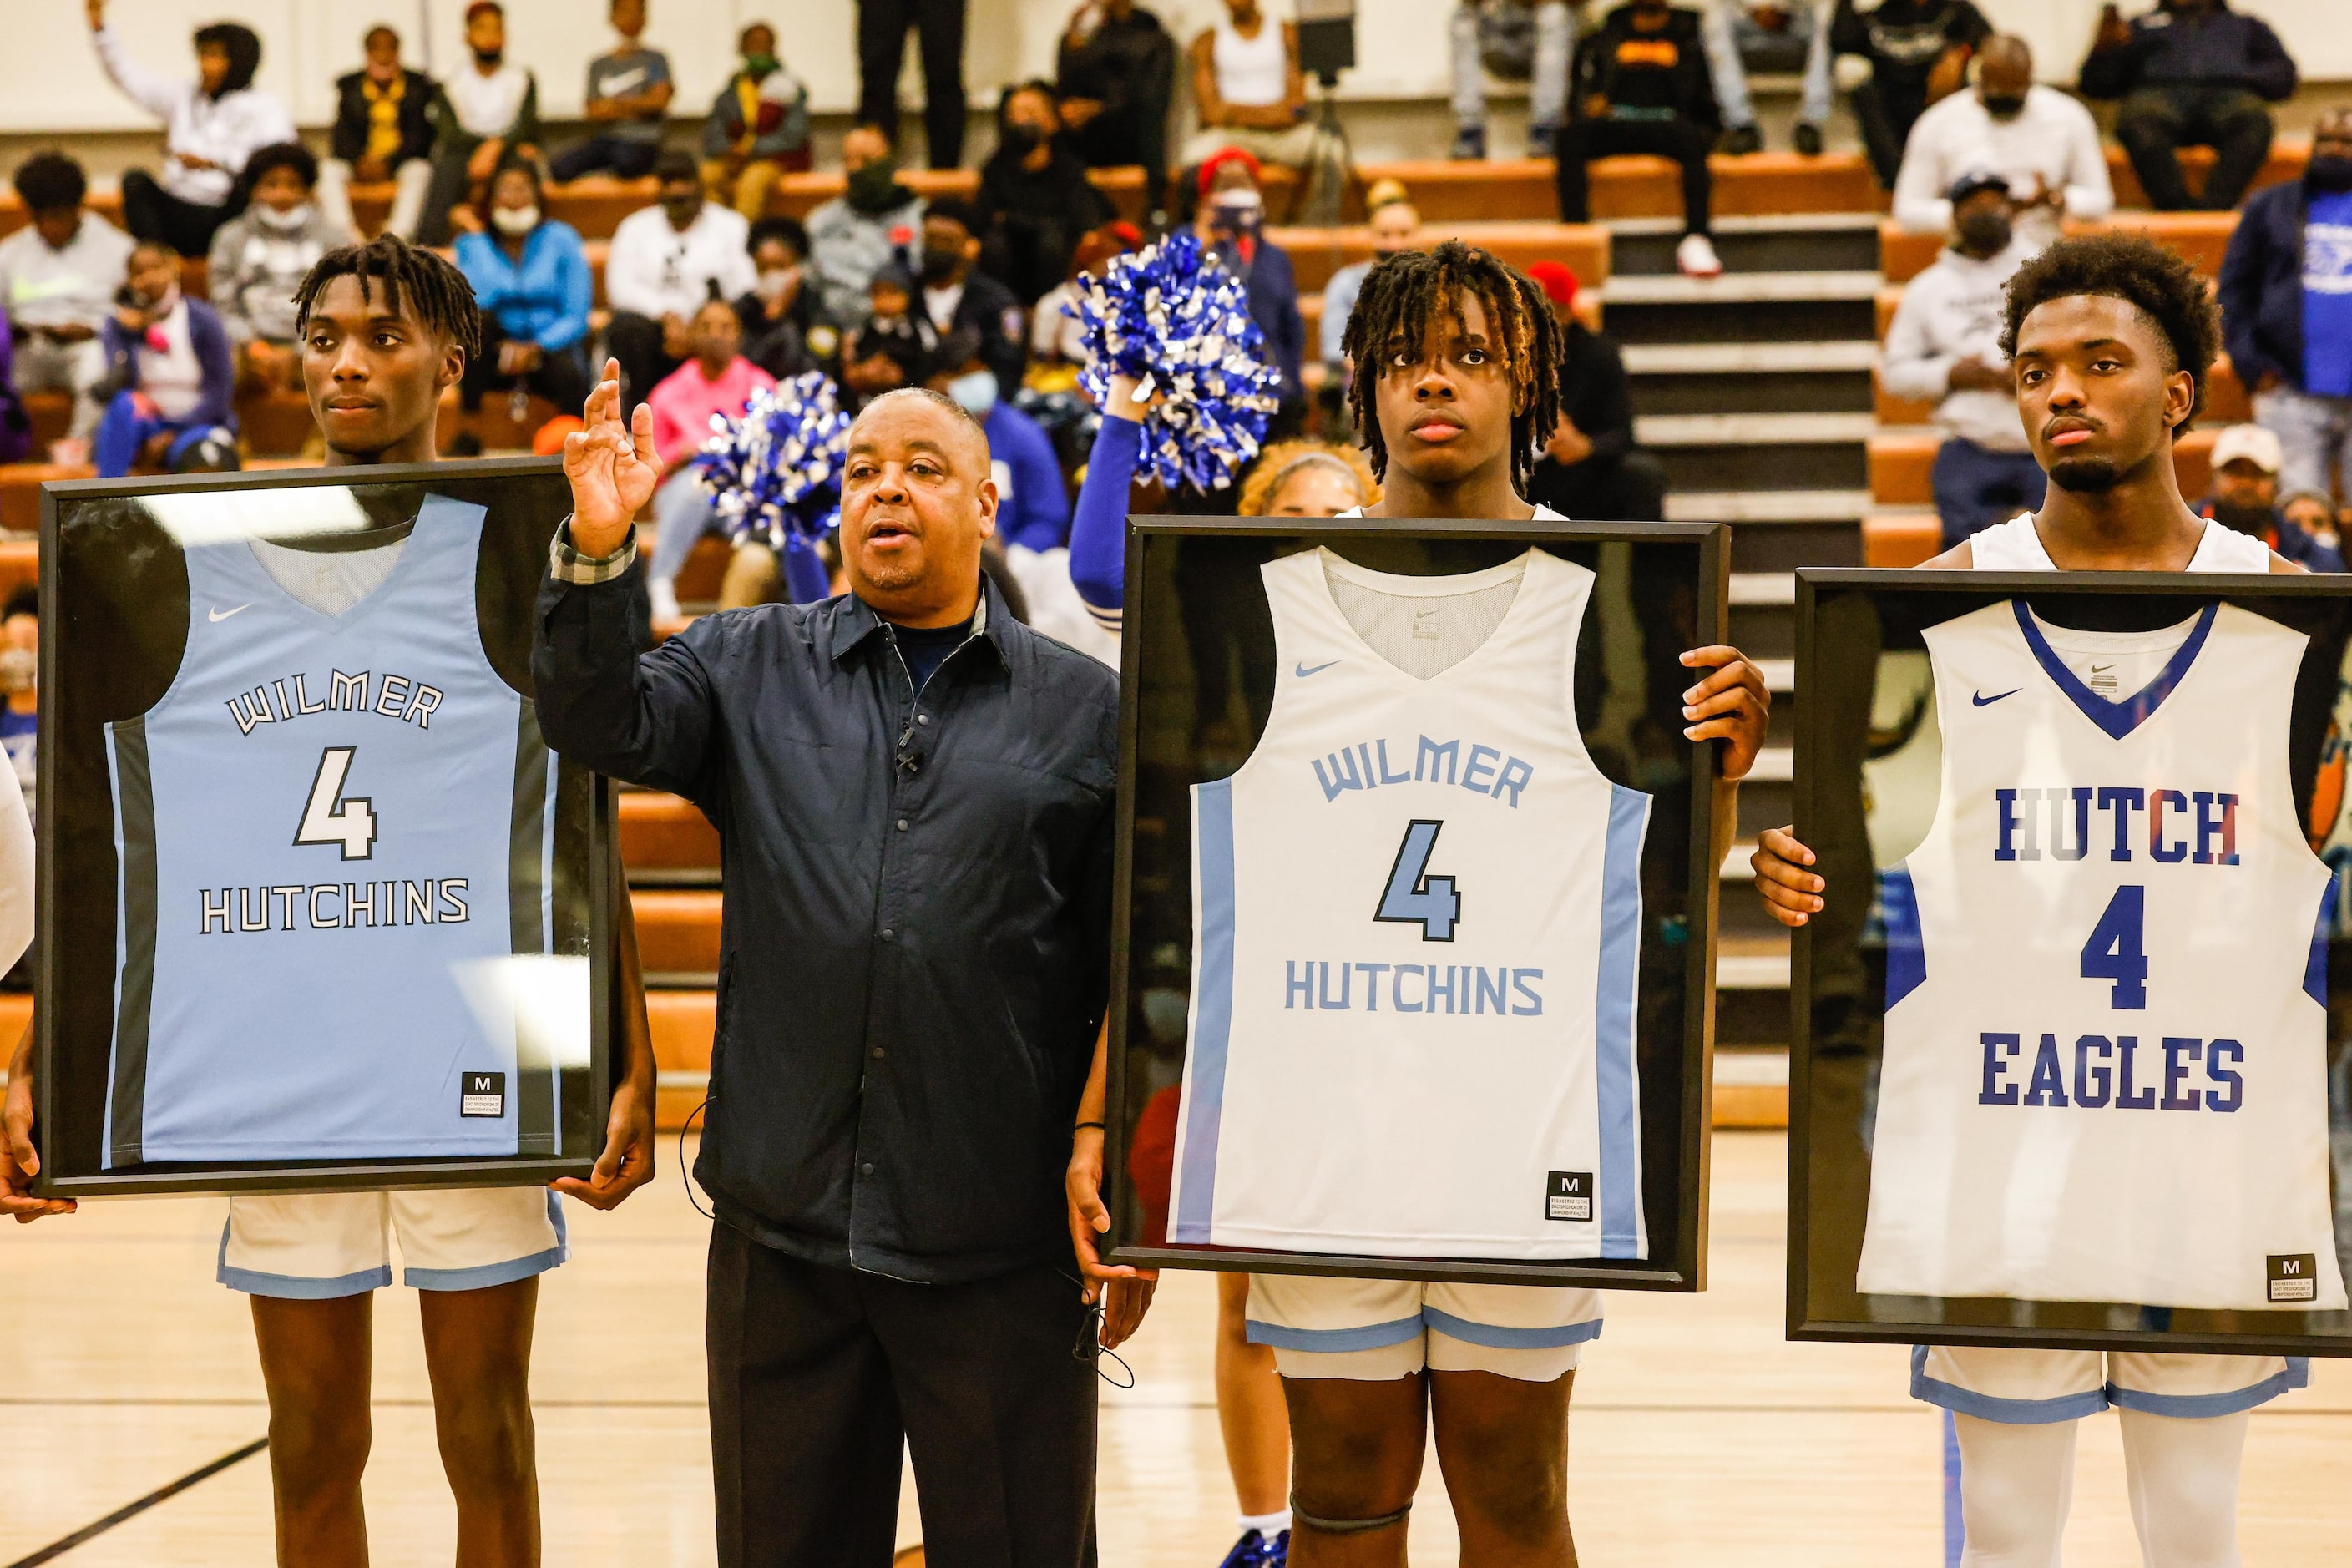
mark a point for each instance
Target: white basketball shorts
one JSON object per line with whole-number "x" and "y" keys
{"x": 1371, "y": 1331}
{"x": 2026, "y": 1388}
{"x": 314, "y": 1245}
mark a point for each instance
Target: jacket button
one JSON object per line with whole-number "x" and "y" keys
{"x": 878, "y": 1053}
{"x": 887, "y": 934}
{"x": 922, "y": 718}
{"x": 902, "y": 824}
{"x": 865, "y": 1170}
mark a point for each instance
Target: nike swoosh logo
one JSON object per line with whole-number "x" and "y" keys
{"x": 1981, "y": 699}
{"x": 1304, "y": 672}
{"x": 224, "y": 614}
{"x": 1424, "y": 615}
{"x": 2101, "y": 668}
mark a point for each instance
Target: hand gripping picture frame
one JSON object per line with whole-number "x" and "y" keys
{"x": 1413, "y": 928}
{"x": 2069, "y": 1071}
{"x": 318, "y": 910}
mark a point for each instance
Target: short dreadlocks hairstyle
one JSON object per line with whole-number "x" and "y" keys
{"x": 416, "y": 281}
{"x": 2153, "y": 279}
{"x": 1406, "y": 294}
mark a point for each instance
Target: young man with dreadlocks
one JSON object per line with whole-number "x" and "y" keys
{"x": 1455, "y": 390}
{"x": 2111, "y": 339}
{"x": 383, "y": 330}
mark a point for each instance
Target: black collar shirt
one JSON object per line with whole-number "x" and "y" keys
{"x": 916, "y": 952}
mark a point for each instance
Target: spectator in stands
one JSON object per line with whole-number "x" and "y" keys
{"x": 715, "y": 381}
{"x": 1589, "y": 467}
{"x": 1247, "y": 89}
{"x": 260, "y": 257}
{"x": 629, "y": 92}
{"x": 1396, "y": 225}
{"x": 882, "y": 27}
{"x": 1641, "y": 86}
{"x": 16, "y": 425}
{"x": 2316, "y": 515}
{"x": 1033, "y": 503}
{"x": 2246, "y": 497}
{"x": 2286, "y": 293}
{"x": 1034, "y": 197}
{"x": 20, "y": 670}
{"x": 171, "y": 373}
{"x": 1786, "y": 37}
{"x": 2043, "y": 142}
{"x": 1231, "y": 220}
{"x": 213, "y": 126}
{"x": 482, "y": 114}
{"x": 892, "y": 347}
{"x": 1056, "y": 336}
{"x": 757, "y": 131}
{"x": 1114, "y": 72}
{"x": 2190, "y": 71}
{"x": 873, "y": 221}
{"x": 1911, "y": 52}
{"x": 1944, "y": 347}
{"x": 57, "y": 280}
{"x": 1509, "y": 35}
{"x": 665, "y": 261}
{"x": 383, "y": 130}
{"x": 784, "y": 332}
{"x": 530, "y": 277}
{"x": 957, "y": 293}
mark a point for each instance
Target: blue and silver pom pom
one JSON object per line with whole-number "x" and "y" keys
{"x": 1175, "y": 320}
{"x": 775, "y": 473}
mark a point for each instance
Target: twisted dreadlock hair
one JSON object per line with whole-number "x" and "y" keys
{"x": 1406, "y": 295}
{"x": 416, "y": 281}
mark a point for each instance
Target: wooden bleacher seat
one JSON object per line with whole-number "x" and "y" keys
{"x": 20, "y": 492}
{"x": 705, "y": 569}
{"x": 677, "y": 930}
{"x": 1900, "y": 461}
{"x": 1316, "y": 253}
{"x": 2202, "y": 237}
{"x": 2288, "y": 156}
{"x": 664, "y": 833}
{"x": 683, "y": 1024}
{"x": 499, "y": 433}
{"x": 20, "y": 565}
{"x": 1901, "y": 538}
{"x": 52, "y": 417}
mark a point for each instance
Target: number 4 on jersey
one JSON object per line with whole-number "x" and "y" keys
{"x": 1414, "y": 896}
{"x": 331, "y": 819}
{"x": 2116, "y": 949}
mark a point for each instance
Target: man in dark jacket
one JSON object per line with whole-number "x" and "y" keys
{"x": 2190, "y": 71}
{"x": 1590, "y": 468}
{"x": 1640, "y": 85}
{"x": 1231, "y": 221}
{"x": 1035, "y": 200}
{"x": 956, "y": 293}
{"x": 1919, "y": 51}
{"x": 1115, "y": 71}
{"x": 2286, "y": 292}
{"x": 383, "y": 130}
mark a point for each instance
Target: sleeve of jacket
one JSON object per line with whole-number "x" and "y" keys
{"x": 1920, "y": 183}
{"x": 578, "y": 290}
{"x": 1099, "y": 526}
{"x": 2113, "y": 73}
{"x": 524, "y": 130}
{"x": 1037, "y": 489}
{"x": 716, "y": 142}
{"x": 2270, "y": 69}
{"x": 1849, "y": 33}
{"x": 1584, "y": 74}
{"x": 210, "y": 340}
{"x": 2239, "y": 291}
{"x": 416, "y": 128}
{"x": 632, "y": 278}
{"x": 1909, "y": 364}
{"x": 349, "y": 139}
{"x": 151, "y": 93}
{"x": 2090, "y": 192}
{"x": 1604, "y": 406}
{"x": 646, "y": 717}
{"x": 224, "y": 282}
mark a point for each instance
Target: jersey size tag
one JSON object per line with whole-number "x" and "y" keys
{"x": 2294, "y": 1276}
{"x": 482, "y": 1094}
{"x": 1568, "y": 1194}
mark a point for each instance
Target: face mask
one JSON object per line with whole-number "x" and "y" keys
{"x": 1238, "y": 214}
{"x": 1022, "y": 137}
{"x": 874, "y": 188}
{"x": 760, "y": 66}
{"x": 18, "y": 666}
{"x": 939, "y": 266}
{"x": 514, "y": 222}
{"x": 682, "y": 211}
{"x": 776, "y": 280}
{"x": 2005, "y": 107}
{"x": 974, "y": 393}
{"x": 2241, "y": 517}
{"x": 286, "y": 222}
{"x": 1987, "y": 234}
{"x": 488, "y": 58}
{"x": 2328, "y": 173}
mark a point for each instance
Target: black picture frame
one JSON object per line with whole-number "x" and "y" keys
{"x": 525, "y": 500}
{"x": 1825, "y": 1222}
{"x": 1679, "y": 1118}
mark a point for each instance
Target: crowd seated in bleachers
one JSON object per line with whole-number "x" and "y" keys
{"x": 785, "y": 331}
{"x": 959, "y": 295}
{"x": 716, "y": 379}
{"x": 1395, "y": 224}
{"x": 1641, "y": 85}
{"x": 486, "y": 110}
{"x": 1034, "y": 198}
{"x": 1231, "y": 222}
{"x": 1247, "y": 89}
{"x": 1114, "y": 72}
{"x": 852, "y": 236}
{"x": 2190, "y": 71}
{"x": 2044, "y": 143}
{"x": 58, "y": 274}
{"x": 384, "y": 132}
{"x": 260, "y": 257}
{"x": 1908, "y": 54}
{"x": 2246, "y": 497}
{"x": 665, "y": 261}
{"x": 757, "y": 131}
{"x": 529, "y": 274}
{"x": 628, "y": 98}
{"x": 1590, "y": 467}
{"x": 171, "y": 376}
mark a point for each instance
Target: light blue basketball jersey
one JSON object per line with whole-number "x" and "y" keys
{"x": 331, "y": 829}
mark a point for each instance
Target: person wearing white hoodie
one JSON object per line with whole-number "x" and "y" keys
{"x": 1945, "y": 345}
{"x": 2043, "y": 142}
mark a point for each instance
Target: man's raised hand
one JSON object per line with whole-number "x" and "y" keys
{"x": 612, "y": 467}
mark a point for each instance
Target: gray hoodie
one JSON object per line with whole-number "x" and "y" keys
{"x": 847, "y": 247}
{"x": 1950, "y": 313}
{"x": 256, "y": 266}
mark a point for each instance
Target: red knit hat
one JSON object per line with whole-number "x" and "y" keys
{"x": 1556, "y": 281}
{"x": 1224, "y": 155}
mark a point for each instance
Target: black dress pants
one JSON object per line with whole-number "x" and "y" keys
{"x": 1884, "y": 112}
{"x": 881, "y": 42}
{"x": 150, "y": 212}
{"x": 819, "y": 1374}
{"x": 1687, "y": 142}
{"x": 2155, "y": 122}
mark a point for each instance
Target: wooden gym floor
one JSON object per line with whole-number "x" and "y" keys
{"x": 1700, "y": 1436}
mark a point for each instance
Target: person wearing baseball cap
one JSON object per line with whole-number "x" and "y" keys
{"x": 1589, "y": 468}
{"x": 2246, "y": 463}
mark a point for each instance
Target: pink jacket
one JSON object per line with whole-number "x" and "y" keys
{"x": 685, "y": 399}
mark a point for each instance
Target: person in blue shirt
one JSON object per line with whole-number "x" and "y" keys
{"x": 1033, "y": 505}
{"x": 530, "y": 273}
{"x": 2286, "y": 292}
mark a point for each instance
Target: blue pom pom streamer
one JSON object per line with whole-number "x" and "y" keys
{"x": 1172, "y": 316}
{"x": 775, "y": 473}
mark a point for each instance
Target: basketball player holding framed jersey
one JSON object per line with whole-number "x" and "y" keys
{"x": 1455, "y": 392}
{"x": 387, "y": 329}
{"x": 2111, "y": 339}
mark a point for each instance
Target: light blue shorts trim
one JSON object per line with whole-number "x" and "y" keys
{"x": 1333, "y": 1342}
{"x": 485, "y": 1275}
{"x": 2007, "y": 1412}
{"x": 1494, "y": 1336}
{"x": 2204, "y": 1407}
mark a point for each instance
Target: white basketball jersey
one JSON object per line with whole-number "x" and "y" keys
{"x": 2105, "y": 1048}
{"x": 1417, "y": 919}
